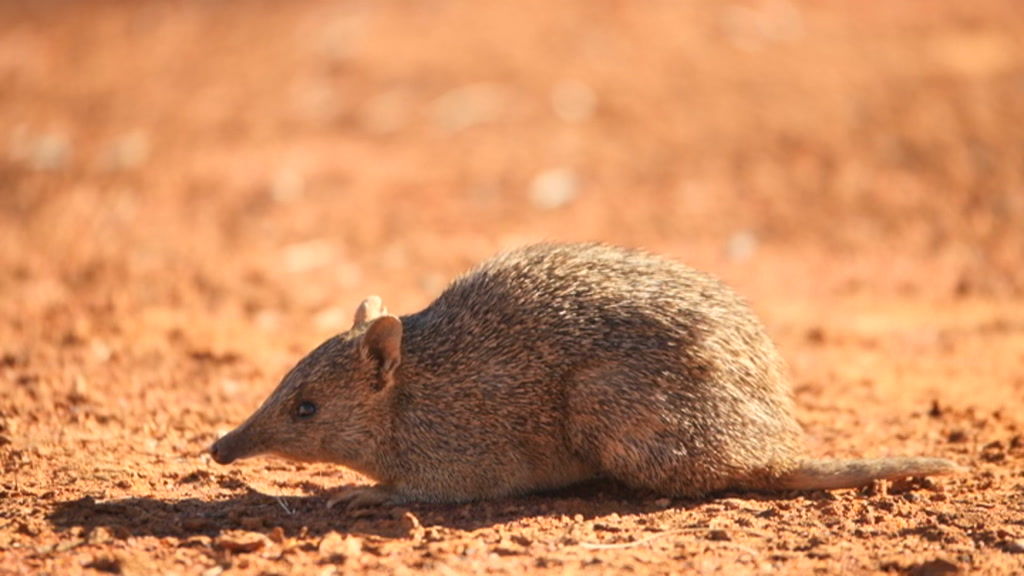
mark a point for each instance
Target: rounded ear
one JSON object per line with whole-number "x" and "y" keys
{"x": 369, "y": 310}
{"x": 382, "y": 344}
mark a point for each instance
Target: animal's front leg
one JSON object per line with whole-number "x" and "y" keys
{"x": 363, "y": 497}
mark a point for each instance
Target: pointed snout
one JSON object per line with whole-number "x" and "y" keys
{"x": 233, "y": 445}
{"x": 220, "y": 452}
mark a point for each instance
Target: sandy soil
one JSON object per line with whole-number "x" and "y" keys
{"x": 194, "y": 194}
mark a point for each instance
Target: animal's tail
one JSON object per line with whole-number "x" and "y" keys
{"x": 836, "y": 474}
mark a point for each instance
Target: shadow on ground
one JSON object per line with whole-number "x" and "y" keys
{"x": 249, "y": 509}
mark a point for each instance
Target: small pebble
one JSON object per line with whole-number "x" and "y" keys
{"x": 46, "y": 152}
{"x": 468, "y": 106}
{"x": 306, "y": 256}
{"x": 127, "y": 152}
{"x": 719, "y": 535}
{"x": 1014, "y": 546}
{"x": 240, "y": 542}
{"x": 554, "y": 188}
{"x": 742, "y": 245}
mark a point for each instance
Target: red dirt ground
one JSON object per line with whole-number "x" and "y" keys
{"x": 194, "y": 194}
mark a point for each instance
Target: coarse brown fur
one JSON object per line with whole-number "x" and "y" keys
{"x": 546, "y": 366}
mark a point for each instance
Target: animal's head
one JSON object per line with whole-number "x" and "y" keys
{"x": 329, "y": 405}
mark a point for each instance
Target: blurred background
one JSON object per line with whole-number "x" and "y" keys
{"x": 193, "y": 193}
{"x": 329, "y": 148}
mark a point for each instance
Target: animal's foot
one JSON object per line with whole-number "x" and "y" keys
{"x": 362, "y": 497}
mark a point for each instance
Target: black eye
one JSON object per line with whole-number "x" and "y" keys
{"x": 306, "y": 409}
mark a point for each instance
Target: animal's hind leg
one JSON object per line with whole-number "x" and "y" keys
{"x": 647, "y": 435}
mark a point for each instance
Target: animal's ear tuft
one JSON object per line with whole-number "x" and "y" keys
{"x": 369, "y": 310}
{"x": 382, "y": 344}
